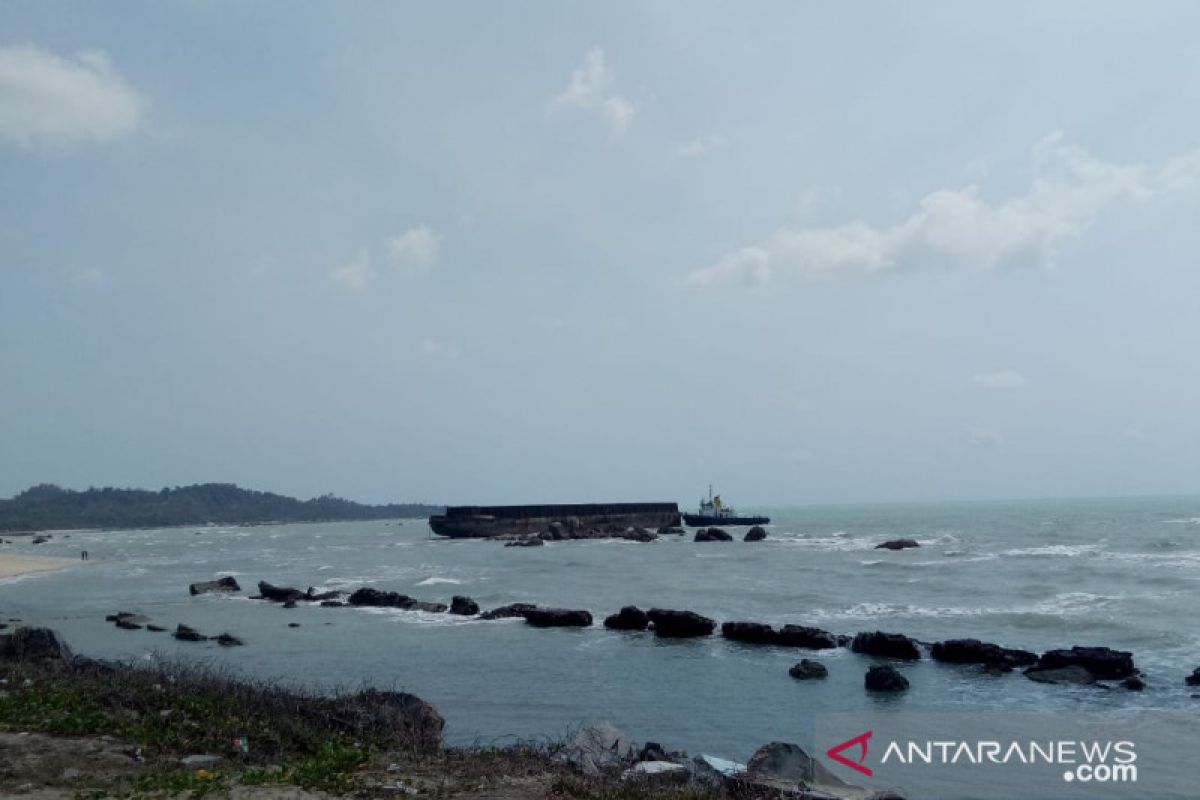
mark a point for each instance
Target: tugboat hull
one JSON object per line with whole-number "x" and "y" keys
{"x": 704, "y": 520}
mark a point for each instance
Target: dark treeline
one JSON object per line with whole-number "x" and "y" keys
{"x": 48, "y": 507}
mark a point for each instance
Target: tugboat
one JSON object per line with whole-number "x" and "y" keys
{"x": 714, "y": 512}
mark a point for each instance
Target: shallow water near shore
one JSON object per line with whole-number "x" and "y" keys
{"x": 1031, "y": 574}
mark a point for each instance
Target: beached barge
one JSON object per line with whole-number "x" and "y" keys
{"x": 467, "y": 522}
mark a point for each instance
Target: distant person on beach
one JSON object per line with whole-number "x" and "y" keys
{"x": 83, "y": 556}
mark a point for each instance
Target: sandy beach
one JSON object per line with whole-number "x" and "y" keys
{"x": 13, "y": 565}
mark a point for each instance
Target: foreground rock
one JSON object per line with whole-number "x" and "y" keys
{"x": 885, "y": 678}
{"x": 375, "y": 598}
{"x": 808, "y": 670}
{"x": 886, "y": 645}
{"x": 1103, "y": 662}
{"x": 630, "y": 618}
{"x": 226, "y": 584}
{"x": 34, "y": 644}
{"x": 596, "y": 747}
{"x": 413, "y": 720}
{"x": 783, "y": 766}
{"x": 558, "y": 618}
{"x": 712, "y": 535}
{"x": 463, "y": 606}
{"x": 755, "y": 534}
{"x": 672, "y": 624}
{"x": 973, "y": 651}
{"x": 509, "y": 611}
{"x": 897, "y": 544}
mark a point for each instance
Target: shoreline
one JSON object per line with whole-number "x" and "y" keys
{"x": 13, "y": 565}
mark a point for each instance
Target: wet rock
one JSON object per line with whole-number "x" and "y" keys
{"x": 558, "y": 618}
{"x": 973, "y": 651}
{"x": 886, "y": 645}
{"x": 34, "y": 644}
{"x": 808, "y": 670}
{"x": 1134, "y": 684}
{"x": 671, "y": 530}
{"x": 185, "y": 633}
{"x": 596, "y": 747}
{"x": 229, "y": 640}
{"x": 40, "y": 539}
{"x": 673, "y": 624}
{"x": 280, "y": 594}
{"x": 156, "y": 628}
{"x": 290, "y": 604}
{"x": 127, "y": 616}
{"x": 749, "y": 632}
{"x": 532, "y": 542}
{"x": 509, "y": 611}
{"x": 639, "y": 535}
{"x": 629, "y": 618}
{"x": 1194, "y": 678}
{"x": 380, "y": 599}
{"x": 1103, "y": 662}
{"x": 128, "y": 625}
{"x": 463, "y": 606}
{"x": 712, "y": 535}
{"x": 885, "y": 678}
{"x": 332, "y": 604}
{"x": 897, "y": 544}
{"x": 226, "y": 584}
{"x": 755, "y": 534}
{"x": 293, "y": 624}
{"x": 1072, "y": 674}
{"x": 803, "y": 636}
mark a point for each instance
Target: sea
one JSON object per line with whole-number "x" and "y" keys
{"x": 1034, "y": 574}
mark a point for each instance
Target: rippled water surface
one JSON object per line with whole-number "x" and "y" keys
{"x": 1041, "y": 574}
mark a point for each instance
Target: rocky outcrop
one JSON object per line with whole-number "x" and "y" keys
{"x": 886, "y": 645}
{"x": 755, "y": 534}
{"x": 885, "y": 678}
{"x": 531, "y": 542}
{"x": 1194, "y": 678}
{"x": 509, "y": 611}
{"x": 629, "y": 618}
{"x": 226, "y": 584}
{"x": 229, "y": 640}
{"x": 185, "y": 633}
{"x": 1134, "y": 684}
{"x": 781, "y": 767}
{"x": 1104, "y": 663}
{"x": 897, "y": 544}
{"x": 749, "y": 632}
{"x": 672, "y": 624}
{"x": 639, "y": 535}
{"x": 596, "y": 748}
{"x": 671, "y": 530}
{"x": 280, "y": 594}
{"x": 803, "y": 636}
{"x": 558, "y": 618}
{"x": 128, "y": 625}
{"x": 808, "y": 670}
{"x": 375, "y": 598}
{"x": 973, "y": 651}
{"x": 712, "y": 535}
{"x": 463, "y": 606}
{"x": 1073, "y": 674}
{"x": 34, "y": 644}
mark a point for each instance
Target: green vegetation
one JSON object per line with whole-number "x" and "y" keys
{"x": 47, "y": 507}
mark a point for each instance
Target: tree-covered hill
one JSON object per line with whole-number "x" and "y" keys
{"x": 48, "y": 507}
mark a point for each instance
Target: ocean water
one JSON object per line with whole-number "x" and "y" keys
{"x": 1033, "y": 574}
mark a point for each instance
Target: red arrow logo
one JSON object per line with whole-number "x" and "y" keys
{"x": 835, "y": 753}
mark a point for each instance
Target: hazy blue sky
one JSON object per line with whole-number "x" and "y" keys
{"x": 559, "y": 251}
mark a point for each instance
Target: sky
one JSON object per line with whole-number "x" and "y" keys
{"x": 552, "y": 252}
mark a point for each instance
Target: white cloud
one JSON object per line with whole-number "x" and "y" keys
{"x": 355, "y": 274}
{"x": 957, "y": 227}
{"x": 699, "y": 147}
{"x": 748, "y": 266}
{"x": 414, "y": 251}
{"x": 589, "y": 90}
{"x": 982, "y": 438}
{"x": 1004, "y": 379}
{"x": 49, "y": 100}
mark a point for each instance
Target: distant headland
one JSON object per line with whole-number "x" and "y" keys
{"x": 50, "y": 507}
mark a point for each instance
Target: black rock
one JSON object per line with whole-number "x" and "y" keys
{"x": 673, "y": 624}
{"x": 34, "y": 644}
{"x": 886, "y": 645}
{"x": 671, "y": 530}
{"x": 1103, "y": 662}
{"x": 629, "y": 618}
{"x": 1194, "y": 678}
{"x": 128, "y": 625}
{"x": 973, "y": 651}
{"x": 897, "y": 544}
{"x": 463, "y": 606}
{"x": 509, "y": 611}
{"x": 1134, "y": 684}
{"x": 885, "y": 678}
{"x": 749, "y": 632}
{"x": 808, "y": 670}
{"x": 290, "y": 604}
{"x": 185, "y": 633}
{"x": 712, "y": 535}
{"x": 226, "y": 584}
{"x": 755, "y": 534}
{"x": 653, "y": 751}
{"x": 375, "y": 598}
{"x": 533, "y": 542}
{"x": 1070, "y": 674}
{"x": 639, "y": 535}
{"x": 558, "y": 618}
{"x": 156, "y": 628}
{"x": 229, "y": 640}
{"x": 293, "y": 624}
{"x": 280, "y": 594}
{"x": 802, "y": 636}
{"x": 332, "y": 604}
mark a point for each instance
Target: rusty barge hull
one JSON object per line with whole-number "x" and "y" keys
{"x": 480, "y": 522}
